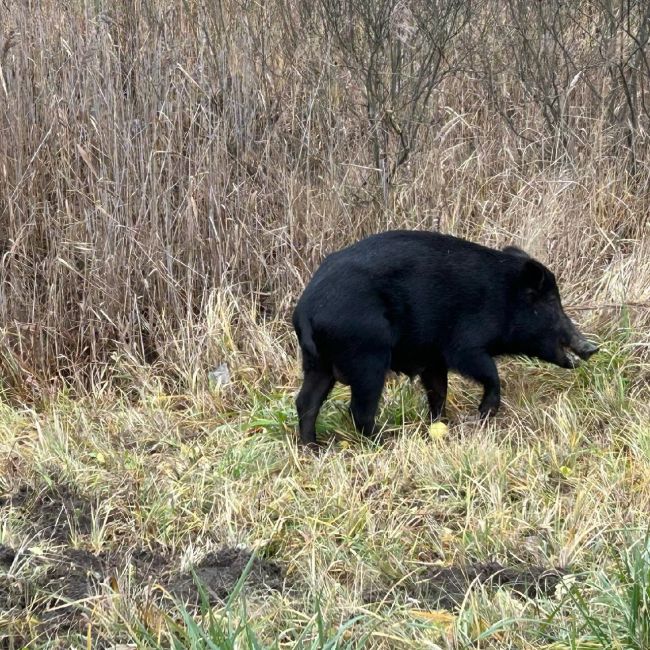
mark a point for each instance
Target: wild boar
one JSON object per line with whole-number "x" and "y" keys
{"x": 421, "y": 304}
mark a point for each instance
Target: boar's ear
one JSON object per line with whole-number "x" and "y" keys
{"x": 514, "y": 250}
{"x": 534, "y": 275}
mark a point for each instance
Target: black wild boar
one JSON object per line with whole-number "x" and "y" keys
{"x": 422, "y": 303}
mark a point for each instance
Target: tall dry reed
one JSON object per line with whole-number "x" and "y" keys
{"x": 158, "y": 159}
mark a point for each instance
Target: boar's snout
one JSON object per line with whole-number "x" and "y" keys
{"x": 582, "y": 347}
{"x": 575, "y": 345}
{"x": 579, "y": 345}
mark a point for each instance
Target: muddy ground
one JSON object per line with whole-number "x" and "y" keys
{"x": 57, "y": 587}
{"x": 446, "y": 587}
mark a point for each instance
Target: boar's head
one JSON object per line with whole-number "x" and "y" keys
{"x": 539, "y": 326}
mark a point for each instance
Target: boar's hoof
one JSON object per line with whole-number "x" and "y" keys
{"x": 315, "y": 448}
{"x": 488, "y": 409}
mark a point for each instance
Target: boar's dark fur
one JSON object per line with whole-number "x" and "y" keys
{"x": 423, "y": 303}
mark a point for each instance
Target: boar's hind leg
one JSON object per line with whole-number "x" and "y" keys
{"x": 481, "y": 367}
{"x": 316, "y": 385}
{"x": 434, "y": 380}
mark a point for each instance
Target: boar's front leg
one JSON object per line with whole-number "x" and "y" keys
{"x": 480, "y": 366}
{"x": 434, "y": 380}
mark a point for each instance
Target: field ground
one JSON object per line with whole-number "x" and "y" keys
{"x": 528, "y": 532}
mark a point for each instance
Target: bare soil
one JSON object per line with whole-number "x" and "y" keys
{"x": 52, "y": 513}
{"x": 447, "y": 587}
{"x": 219, "y": 573}
{"x": 55, "y": 585}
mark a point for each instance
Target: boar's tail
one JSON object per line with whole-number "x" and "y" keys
{"x": 305, "y": 336}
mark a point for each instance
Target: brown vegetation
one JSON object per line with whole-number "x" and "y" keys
{"x": 159, "y": 158}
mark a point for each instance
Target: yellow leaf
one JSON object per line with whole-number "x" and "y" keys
{"x": 438, "y": 430}
{"x": 438, "y": 616}
{"x": 101, "y": 459}
{"x": 566, "y": 471}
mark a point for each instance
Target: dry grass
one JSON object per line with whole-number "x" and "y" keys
{"x": 170, "y": 174}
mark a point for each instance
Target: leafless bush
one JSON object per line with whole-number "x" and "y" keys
{"x": 398, "y": 52}
{"x": 623, "y": 34}
{"x": 576, "y": 62}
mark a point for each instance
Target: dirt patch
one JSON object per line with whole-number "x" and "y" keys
{"x": 446, "y": 587}
{"x": 51, "y": 581}
{"x": 17, "y": 498}
{"x": 449, "y": 585}
{"x": 148, "y": 564}
{"x": 7, "y": 556}
{"x": 53, "y": 513}
{"x": 219, "y": 573}
{"x": 54, "y": 586}
{"x": 73, "y": 576}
